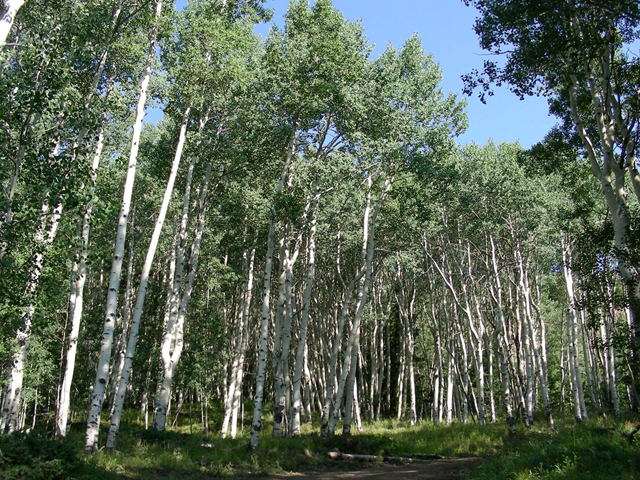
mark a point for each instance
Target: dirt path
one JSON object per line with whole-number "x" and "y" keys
{"x": 446, "y": 469}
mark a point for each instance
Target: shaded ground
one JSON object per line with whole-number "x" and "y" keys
{"x": 445, "y": 469}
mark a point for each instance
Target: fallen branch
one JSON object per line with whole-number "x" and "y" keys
{"x": 421, "y": 457}
{"x": 426, "y": 456}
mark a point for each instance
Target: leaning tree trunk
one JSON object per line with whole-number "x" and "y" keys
{"x": 102, "y": 371}
{"x": 174, "y": 331}
{"x": 363, "y": 290}
{"x": 503, "y": 347}
{"x": 609, "y": 170}
{"x": 235, "y": 401}
{"x": 235, "y": 379}
{"x": 572, "y": 343}
{"x": 142, "y": 288}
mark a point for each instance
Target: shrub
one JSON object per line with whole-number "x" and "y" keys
{"x": 32, "y": 456}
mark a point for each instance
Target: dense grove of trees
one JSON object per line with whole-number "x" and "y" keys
{"x": 301, "y": 233}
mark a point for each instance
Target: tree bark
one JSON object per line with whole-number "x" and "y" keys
{"x": 304, "y": 320}
{"x": 9, "y": 421}
{"x": 10, "y": 11}
{"x": 62, "y": 415}
{"x": 102, "y": 373}
{"x": 144, "y": 281}
{"x": 256, "y": 423}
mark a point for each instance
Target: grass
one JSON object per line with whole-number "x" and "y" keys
{"x": 597, "y": 449}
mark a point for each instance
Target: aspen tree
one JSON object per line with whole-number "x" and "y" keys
{"x": 11, "y": 8}
{"x": 368, "y": 237}
{"x": 572, "y": 342}
{"x": 304, "y": 320}
{"x": 242, "y": 339}
{"x": 503, "y": 340}
{"x": 579, "y": 59}
{"x": 256, "y": 423}
{"x": 97, "y": 395}
{"x": 173, "y": 339}
{"x": 9, "y": 421}
{"x": 77, "y": 300}
{"x": 144, "y": 281}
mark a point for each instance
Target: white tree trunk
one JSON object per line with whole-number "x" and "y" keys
{"x": 144, "y": 281}
{"x": 363, "y": 290}
{"x": 11, "y": 406}
{"x": 235, "y": 380}
{"x": 351, "y": 393}
{"x": 572, "y": 344}
{"x": 11, "y": 9}
{"x": 304, "y": 320}
{"x": 174, "y": 332}
{"x": 256, "y": 423}
{"x": 121, "y": 344}
{"x": 102, "y": 373}
{"x": 235, "y": 403}
{"x": 503, "y": 348}
{"x": 62, "y": 415}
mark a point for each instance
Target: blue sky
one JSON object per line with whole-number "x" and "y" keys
{"x": 445, "y": 27}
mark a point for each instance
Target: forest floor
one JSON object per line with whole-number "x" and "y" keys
{"x": 599, "y": 448}
{"x": 443, "y": 469}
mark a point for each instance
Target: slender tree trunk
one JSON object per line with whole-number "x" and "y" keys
{"x": 235, "y": 384}
{"x": 121, "y": 344}
{"x": 62, "y": 415}
{"x": 304, "y": 320}
{"x": 174, "y": 333}
{"x": 574, "y": 367}
{"x": 102, "y": 373}
{"x": 256, "y": 423}
{"x": 351, "y": 393}
{"x": 236, "y": 401}
{"x": 144, "y": 281}
{"x": 503, "y": 349}
{"x": 363, "y": 288}
{"x": 11, "y": 402}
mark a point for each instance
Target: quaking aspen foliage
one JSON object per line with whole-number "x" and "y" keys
{"x": 300, "y": 239}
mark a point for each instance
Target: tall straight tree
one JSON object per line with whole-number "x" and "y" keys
{"x": 102, "y": 371}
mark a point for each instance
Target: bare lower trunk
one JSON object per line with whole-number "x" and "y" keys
{"x": 351, "y": 394}
{"x": 62, "y": 415}
{"x": 11, "y": 402}
{"x": 256, "y": 422}
{"x": 503, "y": 347}
{"x": 302, "y": 337}
{"x": 142, "y": 288}
{"x": 102, "y": 373}
{"x": 572, "y": 343}
{"x": 363, "y": 290}
{"x": 174, "y": 333}
{"x": 235, "y": 385}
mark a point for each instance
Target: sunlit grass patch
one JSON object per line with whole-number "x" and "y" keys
{"x": 596, "y": 449}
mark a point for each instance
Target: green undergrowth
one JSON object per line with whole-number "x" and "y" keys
{"x": 184, "y": 452}
{"x": 595, "y": 449}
